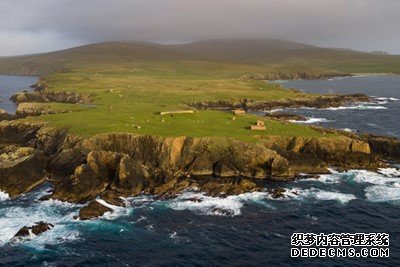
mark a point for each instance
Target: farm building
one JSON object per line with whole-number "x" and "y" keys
{"x": 259, "y": 126}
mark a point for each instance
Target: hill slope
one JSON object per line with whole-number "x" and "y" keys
{"x": 271, "y": 54}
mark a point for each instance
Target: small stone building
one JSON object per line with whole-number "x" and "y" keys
{"x": 238, "y": 112}
{"x": 259, "y": 126}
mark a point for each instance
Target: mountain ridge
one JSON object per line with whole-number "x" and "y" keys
{"x": 235, "y": 51}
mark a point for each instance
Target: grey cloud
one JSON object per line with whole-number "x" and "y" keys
{"x": 32, "y": 26}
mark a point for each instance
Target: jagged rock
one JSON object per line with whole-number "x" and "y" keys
{"x": 224, "y": 169}
{"x": 194, "y": 199}
{"x": 141, "y": 148}
{"x": 50, "y": 140}
{"x": 65, "y": 162}
{"x": 285, "y": 116}
{"x": 171, "y": 188}
{"x": 226, "y": 187}
{"x": 90, "y": 179}
{"x": 93, "y": 210}
{"x": 36, "y": 229}
{"x": 113, "y": 199}
{"x": 35, "y": 109}
{"x": 41, "y": 96}
{"x": 360, "y": 146}
{"x": 132, "y": 176}
{"x": 389, "y": 147}
{"x": 12, "y": 132}
{"x": 21, "y": 169}
{"x": 202, "y": 165}
{"x": 277, "y": 193}
{"x": 45, "y": 198}
{"x": 323, "y": 101}
{"x": 6, "y": 116}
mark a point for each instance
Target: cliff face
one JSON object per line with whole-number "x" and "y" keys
{"x": 127, "y": 165}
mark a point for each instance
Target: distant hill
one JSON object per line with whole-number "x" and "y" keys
{"x": 266, "y": 52}
{"x": 240, "y": 49}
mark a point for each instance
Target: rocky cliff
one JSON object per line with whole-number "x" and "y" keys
{"x": 43, "y": 96}
{"x": 121, "y": 164}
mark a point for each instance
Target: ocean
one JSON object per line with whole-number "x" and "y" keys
{"x": 246, "y": 230}
{"x": 9, "y": 85}
{"x": 381, "y": 117}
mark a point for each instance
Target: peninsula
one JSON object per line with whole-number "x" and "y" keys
{"x": 114, "y": 120}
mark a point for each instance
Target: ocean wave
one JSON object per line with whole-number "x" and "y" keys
{"x": 311, "y": 120}
{"x": 314, "y": 194}
{"x": 381, "y": 177}
{"x": 141, "y": 218}
{"x": 387, "y": 98}
{"x": 320, "y": 195}
{"x": 380, "y": 186}
{"x": 334, "y": 178}
{"x": 173, "y": 235}
{"x": 357, "y": 107}
{"x": 381, "y": 193}
{"x": 274, "y": 110}
{"x": 389, "y": 172}
{"x": 330, "y": 195}
{"x": 4, "y": 196}
{"x": 349, "y": 130}
{"x": 339, "y": 78}
{"x": 206, "y": 205}
{"x": 364, "y": 176}
{"x": 117, "y": 211}
{"x": 58, "y": 213}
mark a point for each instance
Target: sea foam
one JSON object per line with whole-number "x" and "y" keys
{"x": 60, "y": 214}
{"x": 206, "y": 205}
{"x": 357, "y": 107}
{"x": 116, "y": 210}
{"x": 4, "y": 196}
{"x": 311, "y": 120}
{"x": 381, "y": 193}
{"x": 319, "y": 195}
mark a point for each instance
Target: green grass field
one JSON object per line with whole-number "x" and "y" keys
{"x": 132, "y": 83}
{"x": 130, "y": 98}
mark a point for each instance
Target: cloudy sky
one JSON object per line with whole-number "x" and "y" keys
{"x": 31, "y": 26}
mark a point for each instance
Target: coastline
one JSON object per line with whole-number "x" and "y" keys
{"x": 115, "y": 165}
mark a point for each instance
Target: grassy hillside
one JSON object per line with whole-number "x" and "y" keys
{"x": 267, "y": 55}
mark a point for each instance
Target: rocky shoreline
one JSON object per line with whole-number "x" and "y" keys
{"x": 34, "y": 103}
{"x": 42, "y": 96}
{"x": 323, "y": 101}
{"x": 110, "y": 166}
{"x": 281, "y": 75}
{"x": 101, "y": 170}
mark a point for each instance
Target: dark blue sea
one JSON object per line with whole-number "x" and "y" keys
{"x": 380, "y": 117}
{"x": 252, "y": 230}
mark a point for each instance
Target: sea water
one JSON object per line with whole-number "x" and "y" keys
{"x": 10, "y": 85}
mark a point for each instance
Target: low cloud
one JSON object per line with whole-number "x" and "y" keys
{"x": 29, "y": 26}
